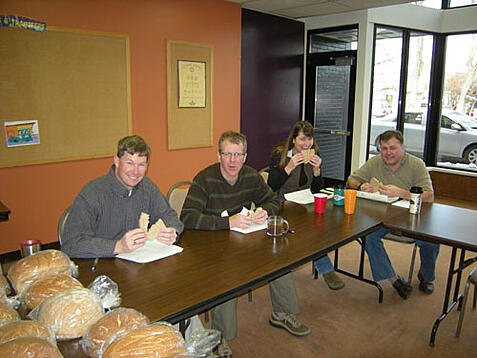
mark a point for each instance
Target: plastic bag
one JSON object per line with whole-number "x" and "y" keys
{"x": 111, "y": 325}
{"x": 201, "y": 343}
{"x": 7, "y": 314}
{"x": 69, "y": 313}
{"x": 107, "y": 290}
{"x": 157, "y": 340}
{"x": 18, "y": 329}
{"x": 41, "y": 264}
{"x": 46, "y": 287}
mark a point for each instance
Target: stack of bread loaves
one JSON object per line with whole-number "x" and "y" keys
{"x": 70, "y": 312}
{"x": 7, "y": 314}
{"x": 46, "y": 287}
{"x": 18, "y": 329}
{"x": 107, "y": 328}
{"x": 155, "y": 340}
{"x": 5, "y": 289}
{"x": 26, "y": 339}
{"x": 42, "y": 264}
{"x": 28, "y": 347}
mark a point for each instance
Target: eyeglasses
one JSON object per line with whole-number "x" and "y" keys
{"x": 229, "y": 155}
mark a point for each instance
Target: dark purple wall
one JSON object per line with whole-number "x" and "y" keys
{"x": 271, "y": 81}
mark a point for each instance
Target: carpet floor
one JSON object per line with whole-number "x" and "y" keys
{"x": 351, "y": 323}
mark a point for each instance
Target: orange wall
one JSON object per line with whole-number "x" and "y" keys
{"x": 38, "y": 194}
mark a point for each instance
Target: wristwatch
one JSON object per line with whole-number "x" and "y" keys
{"x": 359, "y": 186}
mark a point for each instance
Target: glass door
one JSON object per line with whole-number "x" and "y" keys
{"x": 330, "y": 108}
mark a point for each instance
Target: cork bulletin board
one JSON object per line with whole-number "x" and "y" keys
{"x": 74, "y": 84}
{"x": 189, "y": 95}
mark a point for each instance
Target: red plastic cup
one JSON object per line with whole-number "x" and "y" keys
{"x": 320, "y": 203}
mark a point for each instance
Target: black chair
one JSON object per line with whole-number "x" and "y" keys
{"x": 472, "y": 279}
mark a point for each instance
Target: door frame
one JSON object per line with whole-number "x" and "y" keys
{"x": 329, "y": 59}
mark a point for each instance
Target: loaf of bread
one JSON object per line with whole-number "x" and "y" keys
{"x": 29, "y": 347}
{"x": 4, "y": 287}
{"x": 155, "y": 340}
{"x": 45, "y": 287}
{"x": 41, "y": 264}
{"x": 7, "y": 314}
{"x": 70, "y": 312}
{"x": 17, "y": 329}
{"x": 112, "y": 324}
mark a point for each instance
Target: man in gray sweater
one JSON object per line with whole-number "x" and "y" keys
{"x": 104, "y": 218}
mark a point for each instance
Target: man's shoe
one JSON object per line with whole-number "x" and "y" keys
{"x": 425, "y": 286}
{"x": 333, "y": 281}
{"x": 223, "y": 350}
{"x": 291, "y": 324}
{"x": 402, "y": 287}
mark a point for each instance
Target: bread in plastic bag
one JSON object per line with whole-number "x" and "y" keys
{"x": 23, "y": 328}
{"x": 46, "y": 287}
{"x": 23, "y": 272}
{"x": 7, "y": 314}
{"x": 69, "y": 313}
{"x": 157, "y": 340}
{"x": 112, "y": 324}
{"x": 107, "y": 290}
{"x": 29, "y": 347}
{"x": 201, "y": 343}
{"x": 5, "y": 288}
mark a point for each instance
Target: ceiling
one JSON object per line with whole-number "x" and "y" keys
{"x": 297, "y": 9}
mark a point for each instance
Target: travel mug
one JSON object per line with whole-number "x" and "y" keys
{"x": 415, "y": 200}
{"x": 338, "y": 195}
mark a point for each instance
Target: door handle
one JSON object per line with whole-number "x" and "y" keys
{"x": 332, "y": 131}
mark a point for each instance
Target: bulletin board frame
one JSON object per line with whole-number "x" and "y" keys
{"x": 192, "y": 126}
{"x": 74, "y": 83}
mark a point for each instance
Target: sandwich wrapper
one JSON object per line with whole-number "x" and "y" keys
{"x": 251, "y": 228}
{"x": 151, "y": 251}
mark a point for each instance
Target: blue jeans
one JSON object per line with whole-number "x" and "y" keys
{"x": 381, "y": 265}
{"x": 323, "y": 265}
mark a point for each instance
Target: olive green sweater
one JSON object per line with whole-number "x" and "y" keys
{"x": 210, "y": 194}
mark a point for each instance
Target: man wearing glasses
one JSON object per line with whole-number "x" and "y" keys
{"x": 214, "y": 202}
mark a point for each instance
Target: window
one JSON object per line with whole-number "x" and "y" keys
{"x": 331, "y": 41}
{"x": 445, "y": 4}
{"x": 402, "y": 59}
{"x": 458, "y": 132}
{"x": 458, "y": 3}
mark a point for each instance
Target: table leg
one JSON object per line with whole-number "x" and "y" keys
{"x": 445, "y": 309}
{"x": 360, "y": 275}
{"x": 183, "y": 325}
{"x": 459, "y": 274}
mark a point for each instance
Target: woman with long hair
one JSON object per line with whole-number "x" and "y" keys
{"x": 292, "y": 168}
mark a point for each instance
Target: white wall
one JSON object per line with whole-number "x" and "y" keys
{"x": 405, "y": 15}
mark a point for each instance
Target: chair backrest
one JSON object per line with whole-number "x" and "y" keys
{"x": 264, "y": 174}
{"x": 176, "y": 195}
{"x": 62, "y": 221}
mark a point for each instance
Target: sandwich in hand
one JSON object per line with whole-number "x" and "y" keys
{"x": 375, "y": 183}
{"x": 307, "y": 154}
{"x": 253, "y": 213}
{"x": 154, "y": 229}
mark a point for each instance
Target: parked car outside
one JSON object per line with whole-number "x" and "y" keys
{"x": 458, "y": 134}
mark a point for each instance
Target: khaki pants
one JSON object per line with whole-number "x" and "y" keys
{"x": 284, "y": 300}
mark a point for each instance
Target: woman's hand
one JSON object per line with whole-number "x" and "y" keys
{"x": 315, "y": 162}
{"x": 295, "y": 161}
